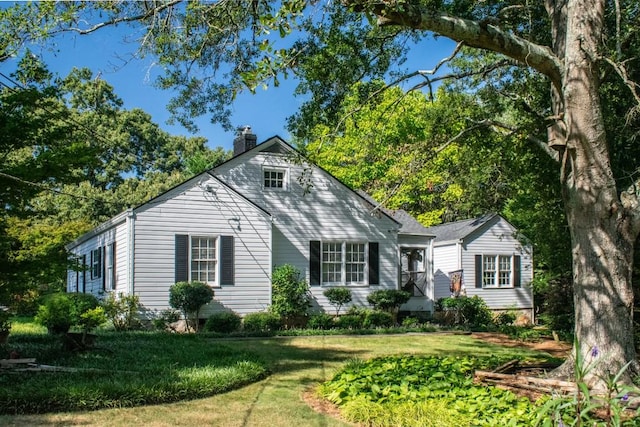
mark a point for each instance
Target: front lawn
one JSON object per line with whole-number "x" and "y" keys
{"x": 297, "y": 365}
{"x": 123, "y": 370}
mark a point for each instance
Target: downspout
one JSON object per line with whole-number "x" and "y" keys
{"x": 271, "y": 220}
{"x": 131, "y": 232}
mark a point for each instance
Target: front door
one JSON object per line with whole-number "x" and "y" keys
{"x": 414, "y": 271}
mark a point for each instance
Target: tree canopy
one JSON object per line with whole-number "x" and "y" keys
{"x": 71, "y": 157}
{"x": 566, "y": 71}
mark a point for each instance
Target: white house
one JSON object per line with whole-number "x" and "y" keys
{"x": 483, "y": 256}
{"x": 230, "y": 226}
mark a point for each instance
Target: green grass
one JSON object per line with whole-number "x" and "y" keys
{"x": 297, "y": 364}
{"x": 125, "y": 369}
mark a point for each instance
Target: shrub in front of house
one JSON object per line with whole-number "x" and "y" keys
{"x": 60, "y": 311}
{"x": 350, "y": 321}
{"x": 465, "y": 311}
{"x": 189, "y": 297}
{"x": 388, "y": 300}
{"x": 122, "y": 311}
{"x": 224, "y": 322}
{"x": 377, "y": 319}
{"x": 55, "y": 313}
{"x": 261, "y": 322}
{"x": 338, "y": 297}
{"x": 165, "y": 318}
{"x": 321, "y": 321}
{"x": 290, "y": 295}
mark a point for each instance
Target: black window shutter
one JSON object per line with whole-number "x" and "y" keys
{"x": 478, "y": 271}
{"x": 84, "y": 273}
{"x": 517, "y": 272}
{"x": 374, "y": 263}
{"x": 182, "y": 258}
{"x": 92, "y": 274}
{"x": 103, "y": 267}
{"x": 314, "y": 263}
{"x": 113, "y": 266}
{"x": 226, "y": 260}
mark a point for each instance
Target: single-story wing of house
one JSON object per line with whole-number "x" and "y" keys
{"x": 232, "y": 225}
{"x": 484, "y": 256}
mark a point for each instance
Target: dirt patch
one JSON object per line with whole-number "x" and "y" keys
{"x": 320, "y": 405}
{"x": 554, "y": 348}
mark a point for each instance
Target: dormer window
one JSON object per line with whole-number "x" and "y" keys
{"x": 275, "y": 178}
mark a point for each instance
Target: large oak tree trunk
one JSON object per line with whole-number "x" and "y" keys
{"x": 602, "y": 233}
{"x": 603, "y": 221}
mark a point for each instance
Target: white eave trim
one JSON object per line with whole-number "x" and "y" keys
{"x": 108, "y": 224}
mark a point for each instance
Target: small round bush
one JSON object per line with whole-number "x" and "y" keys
{"x": 388, "y": 299}
{"x": 506, "y": 318}
{"x": 189, "y": 297}
{"x": 322, "y": 321}
{"x": 338, "y": 297}
{"x": 411, "y": 322}
{"x": 55, "y": 313}
{"x": 468, "y": 311}
{"x": 378, "y": 319}
{"x": 224, "y": 322}
{"x": 261, "y": 322}
{"x": 350, "y": 321}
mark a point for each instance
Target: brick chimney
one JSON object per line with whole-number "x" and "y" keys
{"x": 244, "y": 140}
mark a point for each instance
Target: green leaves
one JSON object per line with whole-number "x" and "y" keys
{"x": 408, "y": 380}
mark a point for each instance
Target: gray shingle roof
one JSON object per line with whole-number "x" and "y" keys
{"x": 409, "y": 225}
{"x": 458, "y": 230}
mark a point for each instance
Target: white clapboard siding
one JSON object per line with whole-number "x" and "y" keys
{"x": 203, "y": 207}
{"x": 328, "y": 211}
{"x": 446, "y": 258}
{"x": 499, "y": 239}
{"x": 113, "y": 231}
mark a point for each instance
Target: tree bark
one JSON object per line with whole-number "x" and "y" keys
{"x": 603, "y": 225}
{"x": 602, "y": 232}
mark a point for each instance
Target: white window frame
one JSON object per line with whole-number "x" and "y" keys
{"x": 216, "y": 260}
{"x": 285, "y": 178}
{"x": 342, "y": 245}
{"x": 499, "y": 272}
{"x": 110, "y": 266}
{"x": 97, "y": 260}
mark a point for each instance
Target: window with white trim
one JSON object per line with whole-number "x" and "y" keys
{"x": 204, "y": 259}
{"x": 497, "y": 271}
{"x": 274, "y": 178}
{"x": 96, "y": 263}
{"x": 344, "y": 263}
{"x": 355, "y": 263}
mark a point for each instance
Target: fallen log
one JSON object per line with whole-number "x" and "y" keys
{"x": 14, "y": 363}
{"x": 544, "y": 385}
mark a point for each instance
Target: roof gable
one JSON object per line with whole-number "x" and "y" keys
{"x": 277, "y": 146}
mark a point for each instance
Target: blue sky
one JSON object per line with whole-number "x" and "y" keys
{"x": 266, "y": 111}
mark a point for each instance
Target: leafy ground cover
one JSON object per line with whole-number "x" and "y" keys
{"x": 297, "y": 365}
{"x": 425, "y": 391}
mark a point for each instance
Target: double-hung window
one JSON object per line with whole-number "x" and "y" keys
{"x": 96, "y": 263}
{"x": 344, "y": 263}
{"x": 274, "y": 178}
{"x": 204, "y": 259}
{"x": 497, "y": 271}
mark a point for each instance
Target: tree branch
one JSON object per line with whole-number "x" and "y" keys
{"x": 149, "y": 13}
{"x": 511, "y": 130}
{"x": 418, "y": 16}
